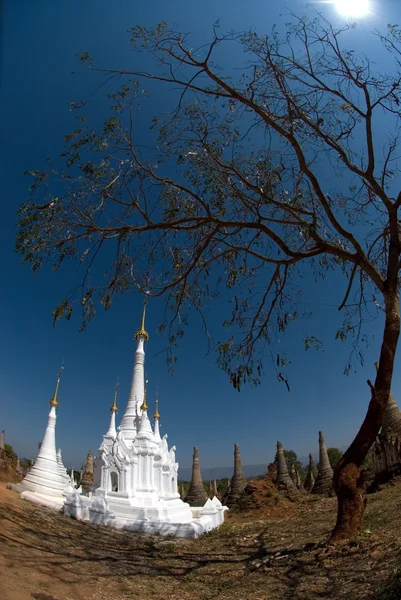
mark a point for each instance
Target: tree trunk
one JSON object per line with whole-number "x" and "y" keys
{"x": 347, "y": 481}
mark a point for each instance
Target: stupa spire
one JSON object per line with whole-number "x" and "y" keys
{"x": 113, "y": 411}
{"x": 144, "y": 405}
{"x": 310, "y": 475}
{"x": 283, "y": 477}
{"x": 292, "y": 473}
{"x": 156, "y": 417}
{"x": 137, "y": 391}
{"x": 196, "y": 495}
{"x": 142, "y": 331}
{"x": 54, "y": 400}
{"x": 238, "y": 481}
{"x": 145, "y": 428}
{"x": 114, "y": 408}
{"x": 87, "y": 477}
{"x": 298, "y": 481}
{"x": 215, "y": 488}
{"x": 324, "y": 479}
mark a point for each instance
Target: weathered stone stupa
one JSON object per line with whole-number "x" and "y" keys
{"x": 87, "y": 477}
{"x": 196, "y": 495}
{"x": 391, "y": 427}
{"x": 45, "y": 482}
{"x": 310, "y": 475}
{"x": 298, "y": 481}
{"x": 238, "y": 482}
{"x": 324, "y": 479}
{"x": 292, "y": 473}
{"x": 283, "y": 478}
{"x": 2, "y": 443}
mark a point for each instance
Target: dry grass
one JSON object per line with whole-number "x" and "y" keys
{"x": 277, "y": 552}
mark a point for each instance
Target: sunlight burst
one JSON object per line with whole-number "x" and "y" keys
{"x": 352, "y": 8}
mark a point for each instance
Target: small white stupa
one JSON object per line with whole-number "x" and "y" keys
{"x": 48, "y": 478}
{"x": 138, "y": 487}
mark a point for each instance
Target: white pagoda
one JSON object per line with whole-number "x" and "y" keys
{"x": 138, "y": 487}
{"x": 47, "y": 482}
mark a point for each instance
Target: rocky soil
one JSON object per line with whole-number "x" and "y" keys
{"x": 276, "y": 551}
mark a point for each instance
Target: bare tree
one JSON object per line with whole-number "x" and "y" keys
{"x": 251, "y": 175}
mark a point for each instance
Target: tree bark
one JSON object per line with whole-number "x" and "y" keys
{"x": 347, "y": 481}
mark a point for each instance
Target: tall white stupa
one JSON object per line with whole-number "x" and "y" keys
{"x": 137, "y": 474}
{"x": 130, "y": 421}
{"x": 48, "y": 478}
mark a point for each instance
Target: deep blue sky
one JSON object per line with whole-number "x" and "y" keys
{"x": 39, "y": 41}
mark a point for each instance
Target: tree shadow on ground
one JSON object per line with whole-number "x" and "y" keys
{"x": 390, "y": 591}
{"x": 226, "y": 563}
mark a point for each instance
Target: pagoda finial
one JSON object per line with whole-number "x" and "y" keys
{"x": 141, "y": 331}
{"x": 144, "y": 406}
{"x": 156, "y": 415}
{"x": 114, "y": 408}
{"x": 54, "y": 400}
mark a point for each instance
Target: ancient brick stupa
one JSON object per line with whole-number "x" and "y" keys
{"x": 196, "y": 495}
{"x": 238, "y": 481}
{"x": 310, "y": 475}
{"x": 391, "y": 427}
{"x": 283, "y": 479}
{"x": 293, "y": 473}
{"x": 298, "y": 481}
{"x": 87, "y": 477}
{"x": 2, "y": 448}
{"x": 324, "y": 479}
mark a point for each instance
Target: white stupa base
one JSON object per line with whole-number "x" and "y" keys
{"x": 54, "y": 502}
{"x": 147, "y": 507}
{"x": 192, "y": 529}
{"x": 39, "y": 484}
{"x": 165, "y": 517}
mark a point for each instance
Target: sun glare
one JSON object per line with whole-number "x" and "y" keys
{"x": 352, "y": 8}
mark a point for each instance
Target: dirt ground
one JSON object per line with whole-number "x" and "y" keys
{"x": 278, "y": 552}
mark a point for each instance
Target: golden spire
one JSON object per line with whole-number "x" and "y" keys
{"x": 144, "y": 406}
{"x": 54, "y": 401}
{"x": 156, "y": 415}
{"x": 141, "y": 331}
{"x": 114, "y": 408}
